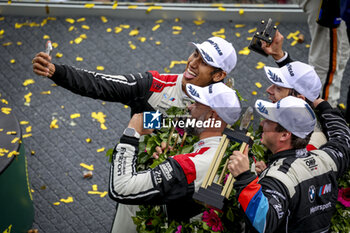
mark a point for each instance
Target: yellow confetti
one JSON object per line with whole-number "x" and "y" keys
{"x": 28, "y": 82}
{"x": 54, "y": 85}
{"x": 86, "y": 27}
{"x": 155, "y": 27}
{"x": 132, "y": 7}
{"x": 173, "y": 63}
{"x": 115, "y": 5}
{"x": 104, "y": 19}
{"x": 101, "y": 68}
{"x": 81, "y": 20}
{"x": 216, "y": 4}
{"x": 94, "y": 192}
{"x": 53, "y": 124}
{"x": 260, "y": 65}
{"x": 58, "y": 55}
{"x": 2, "y": 18}
{"x": 342, "y": 106}
{"x": 46, "y": 37}
{"x": 12, "y": 61}
{"x": 108, "y": 29}
{"x": 177, "y": 20}
{"x": 7, "y": 44}
{"x": 142, "y": 39}
{"x": 132, "y": 46}
{"x": 241, "y": 11}
{"x": 252, "y": 30}
{"x": 71, "y": 28}
{"x": 83, "y": 36}
{"x": 89, "y": 5}
{"x": 79, "y": 59}
{"x": 125, "y": 26}
{"x": 103, "y": 126}
{"x": 158, "y": 43}
{"x": 88, "y": 140}
{"x": 293, "y": 34}
{"x": 238, "y": 34}
{"x": 45, "y": 92}
{"x": 118, "y": 29}
{"x": 134, "y": 32}
{"x": 160, "y": 21}
{"x": 4, "y": 101}
{"x": 177, "y": 28}
{"x": 254, "y": 93}
{"x": 104, "y": 194}
{"x": 68, "y": 200}
{"x": 198, "y": 22}
{"x": 100, "y": 117}
{"x": 11, "y": 132}
{"x": 88, "y": 167}
{"x": 244, "y": 51}
{"x": 1, "y": 130}
{"x": 94, "y": 187}
{"x": 258, "y": 84}
{"x": 27, "y": 97}
{"x": 27, "y": 135}
{"x": 222, "y": 8}
{"x": 307, "y": 46}
{"x": 12, "y": 153}
{"x": 62, "y": 106}
{"x": 19, "y": 43}
{"x": 176, "y": 32}
{"x": 166, "y": 70}
{"x": 2, "y": 31}
{"x": 75, "y": 115}
{"x": 294, "y": 43}
{"x": 70, "y": 20}
{"x": 6, "y": 110}
{"x": 221, "y": 31}
{"x": 24, "y": 122}
{"x": 56, "y": 203}
{"x": 100, "y": 149}
{"x": 239, "y": 25}
{"x": 15, "y": 140}
{"x": 29, "y": 129}
{"x": 151, "y": 8}
{"x": 78, "y": 40}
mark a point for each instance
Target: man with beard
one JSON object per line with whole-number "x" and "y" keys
{"x": 174, "y": 181}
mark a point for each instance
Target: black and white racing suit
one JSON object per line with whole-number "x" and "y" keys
{"x": 298, "y": 191}
{"x": 172, "y": 183}
{"x": 146, "y": 91}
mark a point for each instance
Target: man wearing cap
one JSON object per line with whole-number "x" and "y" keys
{"x": 295, "y": 79}
{"x": 174, "y": 181}
{"x": 298, "y": 191}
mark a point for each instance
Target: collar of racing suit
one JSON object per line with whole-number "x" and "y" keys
{"x": 287, "y": 153}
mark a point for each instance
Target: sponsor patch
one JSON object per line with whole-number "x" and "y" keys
{"x": 312, "y": 193}
{"x": 311, "y": 163}
{"x": 157, "y": 175}
{"x": 167, "y": 170}
{"x": 324, "y": 189}
{"x": 274, "y": 77}
{"x": 320, "y": 207}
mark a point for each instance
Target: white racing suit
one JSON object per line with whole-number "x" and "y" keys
{"x": 171, "y": 183}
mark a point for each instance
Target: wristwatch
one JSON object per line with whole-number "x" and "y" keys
{"x": 131, "y": 132}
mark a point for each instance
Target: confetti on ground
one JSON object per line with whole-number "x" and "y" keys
{"x": 81, "y": 20}
{"x": 71, "y": 28}
{"x": 2, "y": 31}
{"x": 293, "y": 35}
{"x": 101, "y": 68}
{"x": 12, "y": 153}
{"x": 7, "y": 44}
{"x": 70, "y": 20}
{"x": 115, "y": 5}
{"x": 27, "y": 135}
{"x": 118, "y": 29}
{"x": 219, "y": 33}
{"x": 56, "y": 203}
{"x": 24, "y": 122}
{"x": 307, "y": 46}
{"x": 79, "y": 59}
{"x": 254, "y": 93}
{"x": 244, "y": 51}
{"x": 27, "y": 97}
{"x": 6, "y": 110}
{"x": 108, "y": 29}
{"x": 258, "y": 84}
{"x": 28, "y": 129}
{"x": 15, "y": 140}
{"x": 294, "y": 42}
{"x": 88, "y": 167}
{"x": 46, "y": 37}
{"x": 252, "y": 30}
{"x": 68, "y": 200}
{"x": 260, "y": 65}
{"x": 241, "y": 11}
{"x": 132, "y": 7}
{"x": 160, "y": 21}
{"x": 104, "y": 19}
{"x": 158, "y": 43}
{"x": 222, "y": 8}
{"x": 142, "y": 39}
{"x": 151, "y": 8}
{"x": 74, "y": 115}
{"x": 125, "y": 26}
{"x": 89, "y": 5}
{"x": 88, "y": 140}
{"x": 53, "y": 124}
{"x": 177, "y": 28}
{"x": 86, "y": 27}
{"x": 239, "y": 25}
{"x": 342, "y": 106}
{"x": 176, "y": 32}
{"x": 94, "y": 187}
{"x": 131, "y": 45}
{"x": 45, "y": 92}
{"x": 28, "y": 82}
{"x": 100, "y": 149}
{"x": 32, "y": 152}
{"x": 19, "y": 43}
{"x": 100, "y": 117}
{"x": 4, "y": 101}
{"x": 134, "y": 32}
{"x": 126, "y": 106}
{"x": 238, "y": 34}
{"x": 198, "y": 22}
{"x": 11, "y": 132}
{"x": 77, "y": 40}
{"x": 173, "y": 63}
{"x": 12, "y": 61}
{"x": 155, "y": 27}
{"x": 249, "y": 38}
{"x": 58, "y": 55}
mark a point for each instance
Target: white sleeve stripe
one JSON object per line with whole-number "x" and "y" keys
{"x": 163, "y": 81}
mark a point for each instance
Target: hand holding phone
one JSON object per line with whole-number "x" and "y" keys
{"x": 48, "y": 49}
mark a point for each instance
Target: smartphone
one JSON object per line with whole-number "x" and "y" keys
{"x": 48, "y": 49}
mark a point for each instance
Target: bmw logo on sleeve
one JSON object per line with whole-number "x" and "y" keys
{"x": 312, "y": 193}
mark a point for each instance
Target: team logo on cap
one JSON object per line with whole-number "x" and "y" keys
{"x": 193, "y": 91}
{"x": 206, "y": 56}
{"x": 262, "y": 108}
{"x": 290, "y": 69}
{"x": 274, "y": 77}
{"x": 216, "y": 46}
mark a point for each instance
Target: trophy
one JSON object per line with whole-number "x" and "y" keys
{"x": 265, "y": 32}
{"x": 213, "y": 193}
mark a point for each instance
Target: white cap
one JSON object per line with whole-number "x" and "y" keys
{"x": 218, "y": 97}
{"x": 219, "y": 53}
{"x": 293, "y": 113}
{"x": 298, "y": 76}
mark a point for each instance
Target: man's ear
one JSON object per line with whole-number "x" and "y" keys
{"x": 285, "y": 136}
{"x": 218, "y": 76}
{"x": 301, "y": 96}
